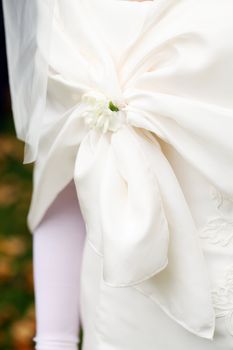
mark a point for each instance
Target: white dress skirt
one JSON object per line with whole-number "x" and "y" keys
{"x": 139, "y": 112}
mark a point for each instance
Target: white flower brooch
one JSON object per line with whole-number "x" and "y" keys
{"x": 102, "y": 113}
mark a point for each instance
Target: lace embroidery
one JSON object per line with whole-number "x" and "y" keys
{"x": 224, "y": 202}
{"x": 219, "y": 228}
{"x": 223, "y": 298}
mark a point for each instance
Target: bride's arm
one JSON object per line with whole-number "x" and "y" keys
{"x": 57, "y": 254}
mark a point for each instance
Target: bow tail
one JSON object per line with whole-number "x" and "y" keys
{"x": 134, "y": 225}
{"x": 88, "y": 174}
{"x": 139, "y": 222}
{"x": 121, "y": 206}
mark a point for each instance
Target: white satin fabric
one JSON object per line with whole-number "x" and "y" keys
{"x": 169, "y": 64}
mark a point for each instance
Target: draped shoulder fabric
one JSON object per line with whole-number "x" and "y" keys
{"x": 117, "y": 90}
{"x": 28, "y": 27}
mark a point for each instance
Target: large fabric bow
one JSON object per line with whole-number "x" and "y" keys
{"x": 136, "y": 215}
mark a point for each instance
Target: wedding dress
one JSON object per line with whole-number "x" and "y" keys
{"x": 134, "y": 103}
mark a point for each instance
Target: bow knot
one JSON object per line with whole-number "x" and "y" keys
{"x": 102, "y": 113}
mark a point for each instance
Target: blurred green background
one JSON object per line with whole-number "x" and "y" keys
{"x": 17, "y": 321}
